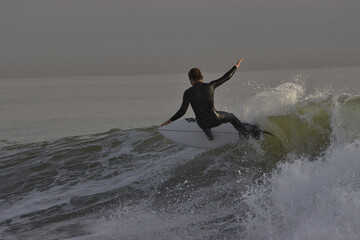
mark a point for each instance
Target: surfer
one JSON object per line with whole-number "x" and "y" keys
{"x": 201, "y": 98}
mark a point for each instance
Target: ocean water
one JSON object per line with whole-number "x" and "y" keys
{"x": 81, "y": 158}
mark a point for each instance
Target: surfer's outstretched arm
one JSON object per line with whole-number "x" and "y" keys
{"x": 181, "y": 112}
{"x": 227, "y": 75}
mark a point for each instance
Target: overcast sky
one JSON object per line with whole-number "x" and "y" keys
{"x": 88, "y": 37}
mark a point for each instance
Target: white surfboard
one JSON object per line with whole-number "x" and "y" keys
{"x": 187, "y": 132}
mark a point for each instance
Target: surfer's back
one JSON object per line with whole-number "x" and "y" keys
{"x": 201, "y": 98}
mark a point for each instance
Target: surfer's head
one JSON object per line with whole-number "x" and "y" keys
{"x": 195, "y": 75}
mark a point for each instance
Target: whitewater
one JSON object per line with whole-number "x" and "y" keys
{"x": 129, "y": 182}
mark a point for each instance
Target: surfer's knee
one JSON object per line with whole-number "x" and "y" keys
{"x": 233, "y": 119}
{"x": 232, "y": 115}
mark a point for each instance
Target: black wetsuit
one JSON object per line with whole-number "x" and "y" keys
{"x": 201, "y": 98}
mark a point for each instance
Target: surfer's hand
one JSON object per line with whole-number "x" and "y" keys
{"x": 165, "y": 123}
{"x": 238, "y": 63}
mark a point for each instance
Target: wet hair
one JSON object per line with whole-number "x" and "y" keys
{"x": 195, "y": 74}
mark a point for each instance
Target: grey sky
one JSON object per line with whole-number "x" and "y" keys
{"x": 87, "y": 37}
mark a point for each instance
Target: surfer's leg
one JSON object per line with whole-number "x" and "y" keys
{"x": 204, "y": 125}
{"x": 208, "y": 133}
{"x": 226, "y": 117}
